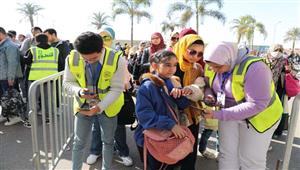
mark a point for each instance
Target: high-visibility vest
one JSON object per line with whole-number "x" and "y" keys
{"x": 44, "y": 62}
{"x": 264, "y": 120}
{"x": 109, "y": 66}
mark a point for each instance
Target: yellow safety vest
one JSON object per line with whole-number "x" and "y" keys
{"x": 264, "y": 120}
{"x": 109, "y": 66}
{"x": 44, "y": 62}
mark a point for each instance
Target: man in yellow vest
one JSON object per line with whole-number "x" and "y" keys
{"x": 108, "y": 36}
{"x": 96, "y": 76}
{"x": 42, "y": 61}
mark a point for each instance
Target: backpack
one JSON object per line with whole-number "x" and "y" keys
{"x": 12, "y": 103}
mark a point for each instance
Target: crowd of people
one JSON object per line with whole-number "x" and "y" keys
{"x": 219, "y": 84}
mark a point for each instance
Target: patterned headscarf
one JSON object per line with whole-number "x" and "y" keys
{"x": 180, "y": 49}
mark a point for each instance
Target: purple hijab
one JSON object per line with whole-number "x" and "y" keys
{"x": 225, "y": 53}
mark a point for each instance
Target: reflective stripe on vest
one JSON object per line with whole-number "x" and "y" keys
{"x": 44, "y": 62}
{"x": 264, "y": 120}
{"x": 77, "y": 68}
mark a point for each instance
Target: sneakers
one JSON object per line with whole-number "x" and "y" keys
{"x": 126, "y": 160}
{"x": 209, "y": 155}
{"x": 91, "y": 159}
{"x": 13, "y": 121}
{"x": 26, "y": 124}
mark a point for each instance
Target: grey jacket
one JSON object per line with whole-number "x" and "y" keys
{"x": 10, "y": 67}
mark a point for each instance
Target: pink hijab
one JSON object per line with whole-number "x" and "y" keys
{"x": 225, "y": 53}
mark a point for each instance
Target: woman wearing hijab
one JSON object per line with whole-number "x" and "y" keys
{"x": 174, "y": 37}
{"x": 276, "y": 60}
{"x": 157, "y": 44}
{"x": 250, "y": 109}
{"x": 189, "y": 50}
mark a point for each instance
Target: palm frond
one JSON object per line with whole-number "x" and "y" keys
{"x": 186, "y": 16}
{"x": 216, "y": 14}
{"x": 178, "y": 6}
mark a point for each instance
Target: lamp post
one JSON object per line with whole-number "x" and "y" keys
{"x": 274, "y": 32}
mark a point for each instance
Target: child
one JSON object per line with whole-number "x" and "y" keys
{"x": 151, "y": 108}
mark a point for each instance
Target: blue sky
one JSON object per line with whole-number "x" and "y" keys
{"x": 70, "y": 18}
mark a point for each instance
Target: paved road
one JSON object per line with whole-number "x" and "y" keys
{"x": 16, "y": 152}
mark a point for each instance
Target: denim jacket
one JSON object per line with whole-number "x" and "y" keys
{"x": 10, "y": 67}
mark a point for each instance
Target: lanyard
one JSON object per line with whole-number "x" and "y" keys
{"x": 225, "y": 76}
{"x": 94, "y": 76}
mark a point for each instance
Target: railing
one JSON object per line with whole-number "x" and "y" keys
{"x": 50, "y": 140}
{"x": 291, "y": 133}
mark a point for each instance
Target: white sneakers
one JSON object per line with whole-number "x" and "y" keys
{"x": 91, "y": 159}
{"x": 209, "y": 155}
{"x": 13, "y": 121}
{"x": 126, "y": 160}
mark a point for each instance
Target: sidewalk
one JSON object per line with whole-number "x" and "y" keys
{"x": 16, "y": 152}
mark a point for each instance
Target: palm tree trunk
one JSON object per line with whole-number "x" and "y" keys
{"x": 239, "y": 38}
{"x": 131, "y": 38}
{"x": 197, "y": 17}
{"x": 252, "y": 39}
{"x": 293, "y": 47}
{"x": 31, "y": 21}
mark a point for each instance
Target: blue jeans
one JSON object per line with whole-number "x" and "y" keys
{"x": 120, "y": 140}
{"x": 204, "y": 139}
{"x": 3, "y": 86}
{"x": 83, "y": 126}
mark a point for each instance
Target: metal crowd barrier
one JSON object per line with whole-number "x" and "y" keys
{"x": 291, "y": 132}
{"x": 49, "y": 140}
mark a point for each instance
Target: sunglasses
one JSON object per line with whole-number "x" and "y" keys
{"x": 174, "y": 38}
{"x": 106, "y": 38}
{"x": 195, "y": 53}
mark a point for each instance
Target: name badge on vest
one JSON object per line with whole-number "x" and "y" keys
{"x": 221, "y": 99}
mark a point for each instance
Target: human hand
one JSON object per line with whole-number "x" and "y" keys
{"x": 176, "y": 93}
{"x": 86, "y": 94}
{"x": 209, "y": 100}
{"x": 178, "y": 131}
{"x": 91, "y": 112}
{"x": 208, "y": 114}
{"x": 10, "y": 82}
{"x": 187, "y": 91}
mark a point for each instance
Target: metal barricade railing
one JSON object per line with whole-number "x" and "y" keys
{"x": 291, "y": 133}
{"x": 50, "y": 140}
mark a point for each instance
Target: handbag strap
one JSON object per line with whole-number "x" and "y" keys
{"x": 170, "y": 108}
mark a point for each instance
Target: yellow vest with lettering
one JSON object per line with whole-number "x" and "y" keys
{"x": 44, "y": 62}
{"x": 109, "y": 66}
{"x": 264, "y": 120}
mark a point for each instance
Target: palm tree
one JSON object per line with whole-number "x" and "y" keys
{"x": 133, "y": 9}
{"x": 197, "y": 8}
{"x": 29, "y": 10}
{"x": 240, "y": 25}
{"x": 99, "y": 20}
{"x": 292, "y": 35}
{"x": 246, "y": 26}
{"x": 169, "y": 25}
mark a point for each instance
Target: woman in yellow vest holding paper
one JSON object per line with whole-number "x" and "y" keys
{"x": 250, "y": 108}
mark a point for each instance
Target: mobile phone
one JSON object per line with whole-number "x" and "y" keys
{"x": 84, "y": 109}
{"x": 88, "y": 93}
